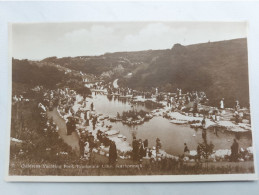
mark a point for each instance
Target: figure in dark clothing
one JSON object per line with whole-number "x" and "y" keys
{"x": 99, "y": 135}
{"x": 234, "y": 151}
{"x": 68, "y": 124}
{"x": 204, "y": 135}
{"x": 112, "y": 153}
{"x": 86, "y": 122}
{"x": 198, "y": 152}
{"x": 71, "y": 126}
{"x": 158, "y": 145}
{"x": 195, "y": 107}
{"x": 92, "y": 106}
{"x": 135, "y": 149}
{"x": 81, "y": 147}
{"x": 236, "y": 118}
{"x": 149, "y": 153}
{"x": 186, "y": 149}
{"x": 94, "y": 122}
{"x": 106, "y": 141}
{"x": 91, "y": 141}
{"x": 146, "y": 143}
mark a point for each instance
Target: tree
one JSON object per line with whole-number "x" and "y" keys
{"x": 84, "y": 91}
{"x": 206, "y": 150}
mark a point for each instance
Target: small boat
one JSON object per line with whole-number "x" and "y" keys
{"x": 114, "y": 119}
{"x": 195, "y": 125}
{"x": 112, "y": 132}
{"x": 120, "y": 136}
{"x": 178, "y": 121}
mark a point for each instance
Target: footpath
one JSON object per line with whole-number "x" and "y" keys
{"x": 73, "y": 141}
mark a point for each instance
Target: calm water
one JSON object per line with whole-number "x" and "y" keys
{"x": 172, "y": 136}
{"x": 111, "y": 105}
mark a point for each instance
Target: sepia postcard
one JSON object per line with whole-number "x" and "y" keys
{"x": 129, "y": 102}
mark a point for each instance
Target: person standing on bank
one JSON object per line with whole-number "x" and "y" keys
{"x": 135, "y": 149}
{"x": 199, "y": 152}
{"x": 142, "y": 152}
{"x": 87, "y": 151}
{"x": 186, "y": 149}
{"x": 221, "y": 105}
{"x": 203, "y": 122}
{"x": 68, "y": 125}
{"x": 234, "y": 151}
{"x": 204, "y": 134}
{"x": 94, "y": 122}
{"x": 146, "y": 144}
{"x": 81, "y": 147}
{"x": 237, "y": 106}
{"x": 86, "y": 118}
{"x": 112, "y": 153}
{"x": 158, "y": 146}
{"x": 92, "y": 106}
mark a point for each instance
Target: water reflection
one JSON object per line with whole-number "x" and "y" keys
{"x": 110, "y": 105}
{"x": 172, "y": 136}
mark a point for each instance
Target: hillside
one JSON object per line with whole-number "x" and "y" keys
{"x": 28, "y": 74}
{"x": 218, "y": 68}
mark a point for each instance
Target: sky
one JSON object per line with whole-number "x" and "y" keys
{"x": 36, "y": 41}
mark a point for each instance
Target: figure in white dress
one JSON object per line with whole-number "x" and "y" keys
{"x": 153, "y": 153}
{"x": 87, "y": 151}
{"x": 221, "y": 103}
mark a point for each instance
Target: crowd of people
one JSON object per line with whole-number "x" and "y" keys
{"x": 91, "y": 138}
{"x": 141, "y": 150}
{"x": 189, "y": 102}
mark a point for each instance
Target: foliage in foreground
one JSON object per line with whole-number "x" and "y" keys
{"x": 158, "y": 168}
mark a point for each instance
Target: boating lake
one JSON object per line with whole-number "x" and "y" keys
{"x": 172, "y": 136}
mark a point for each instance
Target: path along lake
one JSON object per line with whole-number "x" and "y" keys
{"x": 172, "y": 136}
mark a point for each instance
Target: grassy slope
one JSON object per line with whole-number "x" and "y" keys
{"x": 218, "y": 68}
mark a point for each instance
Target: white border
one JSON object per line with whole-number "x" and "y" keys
{"x": 9, "y": 100}
{"x": 251, "y": 104}
{"x": 151, "y": 178}
{"x": 173, "y": 178}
